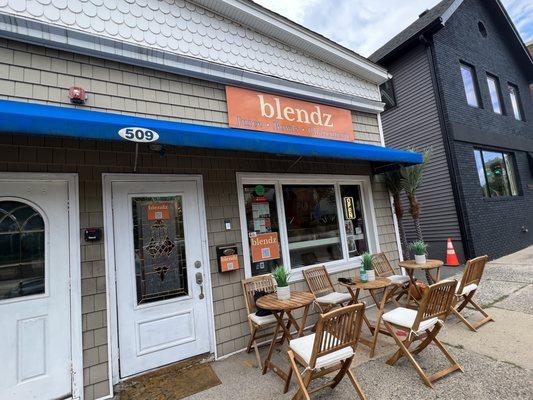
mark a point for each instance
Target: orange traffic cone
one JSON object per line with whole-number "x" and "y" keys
{"x": 451, "y": 257}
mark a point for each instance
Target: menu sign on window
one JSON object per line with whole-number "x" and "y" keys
{"x": 265, "y": 112}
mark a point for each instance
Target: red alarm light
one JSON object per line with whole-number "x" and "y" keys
{"x": 77, "y": 95}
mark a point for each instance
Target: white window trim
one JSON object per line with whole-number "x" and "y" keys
{"x": 246, "y": 178}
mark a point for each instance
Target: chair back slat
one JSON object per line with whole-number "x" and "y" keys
{"x": 252, "y": 285}
{"x": 382, "y": 266}
{"x": 436, "y": 302}
{"x": 318, "y": 281}
{"x": 336, "y": 330}
{"x": 473, "y": 272}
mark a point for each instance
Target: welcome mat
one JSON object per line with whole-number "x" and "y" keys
{"x": 171, "y": 383}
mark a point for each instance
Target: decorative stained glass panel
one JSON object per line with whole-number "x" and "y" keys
{"x": 21, "y": 250}
{"x": 159, "y": 243}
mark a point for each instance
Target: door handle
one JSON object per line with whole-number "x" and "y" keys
{"x": 200, "y": 281}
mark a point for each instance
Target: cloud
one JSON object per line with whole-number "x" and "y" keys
{"x": 365, "y": 25}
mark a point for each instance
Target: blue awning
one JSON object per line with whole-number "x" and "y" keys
{"x": 38, "y": 119}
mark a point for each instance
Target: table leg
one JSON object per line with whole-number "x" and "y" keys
{"x": 279, "y": 317}
{"x": 302, "y": 322}
{"x": 412, "y": 284}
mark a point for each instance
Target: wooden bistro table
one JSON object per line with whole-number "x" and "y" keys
{"x": 372, "y": 287}
{"x": 281, "y": 308}
{"x": 411, "y": 266}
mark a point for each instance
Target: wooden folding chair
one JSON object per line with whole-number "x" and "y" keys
{"x": 320, "y": 285}
{"x": 383, "y": 269}
{"x": 256, "y": 323}
{"x": 331, "y": 348}
{"x": 423, "y": 325}
{"x": 467, "y": 288}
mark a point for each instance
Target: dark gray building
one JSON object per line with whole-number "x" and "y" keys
{"x": 461, "y": 77}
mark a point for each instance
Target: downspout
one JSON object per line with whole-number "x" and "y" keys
{"x": 462, "y": 218}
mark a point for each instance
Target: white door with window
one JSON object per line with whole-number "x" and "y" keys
{"x": 162, "y": 307}
{"x": 35, "y": 317}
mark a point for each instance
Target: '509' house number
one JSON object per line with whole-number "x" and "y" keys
{"x": 139, "y": 135}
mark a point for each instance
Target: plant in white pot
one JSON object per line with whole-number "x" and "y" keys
{"x": 366, "y": 261}
{"x": 419, "y": 249}
{"x": 281, "y": 276}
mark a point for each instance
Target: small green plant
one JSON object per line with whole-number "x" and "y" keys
{"x": 419, "y": 248}
{"x": 366, "y": 260}
{"x": 281, "y": 276}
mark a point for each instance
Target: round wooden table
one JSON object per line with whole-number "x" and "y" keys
{"x": 280, "y": 308}
{"x": 372, "y": 286}
{"x": 411, "y": 266}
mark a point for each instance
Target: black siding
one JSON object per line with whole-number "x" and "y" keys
{"x": 415, "y": 122}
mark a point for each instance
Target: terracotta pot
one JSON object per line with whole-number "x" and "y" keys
{"x": 415, "y": 294}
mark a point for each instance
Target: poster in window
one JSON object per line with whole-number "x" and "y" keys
{"x": 265, "y": 246}
{"x": 261, "y": 215}
{"x": 158, "y": 211}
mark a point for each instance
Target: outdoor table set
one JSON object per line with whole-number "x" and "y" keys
{"x": 331, "y": 348}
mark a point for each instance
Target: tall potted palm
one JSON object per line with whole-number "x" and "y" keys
{"x": 411, "y": 181}
{"x": 393, "y": 182}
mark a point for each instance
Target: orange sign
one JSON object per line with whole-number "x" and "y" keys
{"x": 258, "y": 111}
{"x": 265, "y": 246}
{"x": 229, "y": 263}
{"x": 158, "y": 211}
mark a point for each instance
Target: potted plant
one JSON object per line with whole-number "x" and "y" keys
{"x": 281, "y": 276}
{"x": 419, "y": 249}
{"x": 366, "y": 262}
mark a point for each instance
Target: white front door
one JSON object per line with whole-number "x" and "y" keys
{"x": 35, "y": 334}
{"x": 161, "y": 304}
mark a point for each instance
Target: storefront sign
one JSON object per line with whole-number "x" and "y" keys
{"x": 265, "y": 246}
{"x": 349, "y": 208}
{"x": 158, "y": 211}
{"x": 258, "y": 111}
{"x": 140, "y": 135}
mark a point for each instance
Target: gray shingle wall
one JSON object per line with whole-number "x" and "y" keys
{"x": 42, "y": 75}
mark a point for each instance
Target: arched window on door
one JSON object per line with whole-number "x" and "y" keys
{"x": 22, "y": 250}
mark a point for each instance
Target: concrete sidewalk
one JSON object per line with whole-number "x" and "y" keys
{"x": 498, "y": 359}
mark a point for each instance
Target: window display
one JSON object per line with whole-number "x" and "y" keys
{"x": 322, "y": 223}
{"x": 263, "y": 228}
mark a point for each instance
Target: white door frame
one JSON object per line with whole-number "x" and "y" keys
{"x": 76, "y": 346}
{"x": 112, "y": 316}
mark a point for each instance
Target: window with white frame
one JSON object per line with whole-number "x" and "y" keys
{"x": 298, "y": 221}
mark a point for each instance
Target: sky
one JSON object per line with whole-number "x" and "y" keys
{"x": 365, "y": 25}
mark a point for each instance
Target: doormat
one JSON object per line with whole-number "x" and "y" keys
{"x": 171, "y": 383}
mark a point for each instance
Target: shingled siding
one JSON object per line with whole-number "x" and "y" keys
{"x": 31, "y": 73}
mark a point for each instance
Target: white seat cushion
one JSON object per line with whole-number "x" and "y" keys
{"x": 467, "y": 289}
{"x": 398, "y": 279}
{"x": 304, "y": 347}
{"x": 405, "y": 317}
{"x": 267, "y": 319}
{"x": 334, "y": 298}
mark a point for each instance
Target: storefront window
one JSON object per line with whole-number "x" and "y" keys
{"x": 263, "y": 228}
{"x": 22, "y": 242}
{"x": 496, "y": 173}
{"x": 353, "y": 220}
{"x": 322, "y": 223}
{"x": 312, "y": 224}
